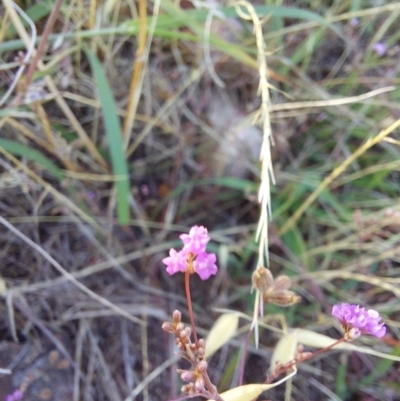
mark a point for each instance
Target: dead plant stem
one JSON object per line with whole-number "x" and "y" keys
{"x": 137, "y": 70}
{"x": 335, "y": 173}
{"x": 39, "y": 52}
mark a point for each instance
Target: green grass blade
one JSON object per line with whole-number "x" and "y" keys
{"x": 114, "y": 136}
{"x": 18, "y": 149}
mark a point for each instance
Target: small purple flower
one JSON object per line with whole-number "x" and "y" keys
{"x": 196, "y": 240}
{"x": 15, "y": 396}
{"x": 193, "y": 254}
{"x": 18, "y": 395}
{"x": 354, "y": 22}
{"x": 356, "y": 320}
{"x": 379, "y": 48}
{"x": 176, "y": 261}
{"x": 204, "y": 265}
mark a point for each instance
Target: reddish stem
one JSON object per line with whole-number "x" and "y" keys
{"x": 189, "y": 303}
{"x": 288, "y": 365}
{"x": 40, "y": 50}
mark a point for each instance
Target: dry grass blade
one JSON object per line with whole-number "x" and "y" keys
{"x": 59, "y": 196}
{"x": 155, "y": 373}
{"x": 250, "y": 392}
{"x": 335, "y": 173}
{"x": 53, "y": 88}
{"x": 135, "y": 90}
{"x": 222, "y": 331}
{"x": 284, "y": 351}
{"x": 68, "y": 275}
{"x": 263, "y": 118}
{"x": 331, "y": 102}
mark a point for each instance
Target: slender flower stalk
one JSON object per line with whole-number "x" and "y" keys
{"x": 192, "y": 258}
{"x": 189, "y": 304}
{"x": 301, "y": 358}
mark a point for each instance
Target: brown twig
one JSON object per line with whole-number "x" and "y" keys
{"x": 189, "y": 302}
{"x": 289, "y": 365}
{"x": 39, "y": 52}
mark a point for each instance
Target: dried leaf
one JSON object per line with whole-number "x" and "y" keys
{"x": 285, "y": 350}
{"x": 249, "y": 392}
{"x": 223, "y": 330}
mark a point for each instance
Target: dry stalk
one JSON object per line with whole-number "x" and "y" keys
{"x": 68, "y": 275}
{"x": 263, "y": 118}
{"x": 53, "y": 89}
{"x": 335, "y": 173}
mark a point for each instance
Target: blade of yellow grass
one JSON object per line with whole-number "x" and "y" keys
{"x": 335, "y": 173}
{"x": 58, "y": 195}
{"x": 249, "y": 392}
{"x": 134, "y": 89}
{"x": 222, "y": 331}
{"x": 284, "y": 351}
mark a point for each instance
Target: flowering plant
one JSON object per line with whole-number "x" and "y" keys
{"x": 356, "y": 321}
{"x": 193, "y": 258}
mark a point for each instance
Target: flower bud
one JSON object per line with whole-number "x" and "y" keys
{"x": 179, "y": 344}
{"x": 262, "y": 279}
{"x": 282, "y": 298}
{"x": 281, "y": 283}
{"x": 168, "y": 327}
{"x": 303, "y": 355}
{"x": 202, "y": 366}
{"x": 186, "y": 375}
{"x": 188, "y": 389}
{"x": 199, "y": 385}
{"x": 200, "y": 354}
{"x": 188, "y": 331}
{"x": 351, "y": 333}
{"x": 182, "y": 335}
{"x": 176, "y": 316}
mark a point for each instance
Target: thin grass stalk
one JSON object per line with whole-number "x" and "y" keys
{"x": 135, "y": 88}
{"x": 263, "y": 118}
{"x": 53, "y": 88}
{"x": 335, "y": 173}
{"x": 39, "y": 52}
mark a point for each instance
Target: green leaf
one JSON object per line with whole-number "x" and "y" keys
{"x": 114, "y": 136}
{"x": 18, "y": 149}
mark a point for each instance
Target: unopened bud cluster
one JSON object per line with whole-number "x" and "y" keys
{"x": 194, "y": 378}
{"x": 276, "y": 290}
{"x": 194, "y": 353}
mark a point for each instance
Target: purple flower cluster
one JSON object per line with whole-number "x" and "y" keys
{"x": 194, "y": 248}
{"x": 356, "y": 320}
{"x": 15, "y": 396}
